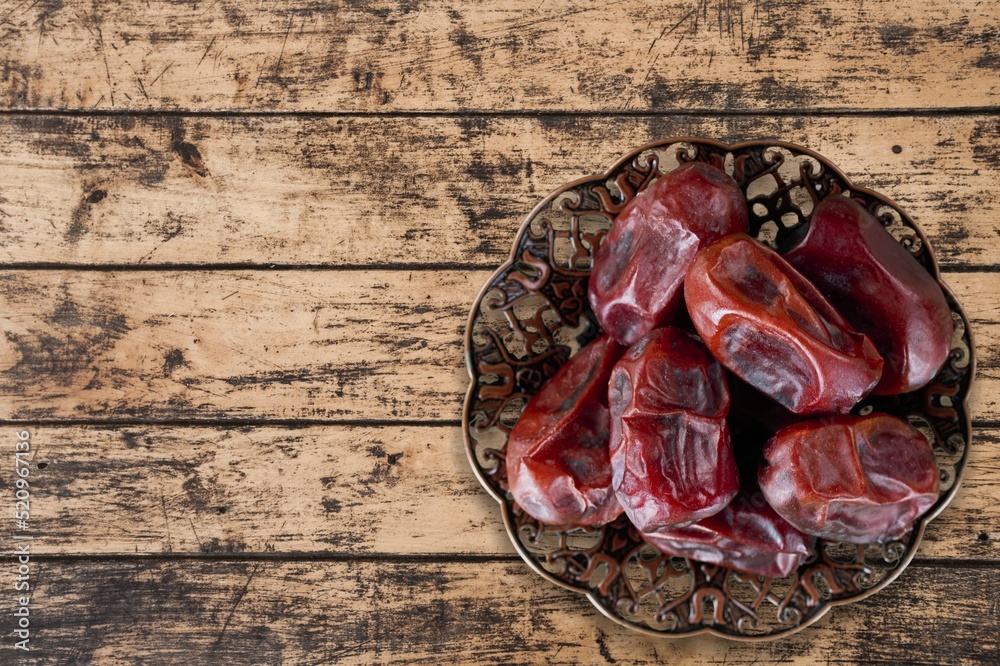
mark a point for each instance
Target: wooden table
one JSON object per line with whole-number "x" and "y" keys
{"x": 240, "y": 242}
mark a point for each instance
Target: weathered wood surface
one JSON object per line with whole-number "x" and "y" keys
{"x": 296, "y": 344}
{"x": 415, "y": 190}
{"x": 347, "y": 491}
{"x": 273, "y": 612}
{"x": 236, "y": 464}
{"x": 506, "y": 54}
{"x": 234, "y": 345}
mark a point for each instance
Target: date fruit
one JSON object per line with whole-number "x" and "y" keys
{"x": 860, "y": 479}
{"x": 635, "y": 284}
{"x": 771, "y": 327}
{"x": 671, "y": 455}
{"x": 747, "y": 535}
{"x": 558, "y": 465}
{"x": 880, "y": 288}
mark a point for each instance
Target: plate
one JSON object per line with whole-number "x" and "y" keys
{"x": 533, "y": 315}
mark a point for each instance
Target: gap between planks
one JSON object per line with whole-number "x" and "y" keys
{"x": 285, "y": 423}
{"x": 884, "y": 112}
{"x": 346, "y": 268}
{"x": 387, "y": 558}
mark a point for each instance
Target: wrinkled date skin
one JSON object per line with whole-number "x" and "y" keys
{"x": 880, "y": 288}
{"x": 558, "y": 465}
{"x": 772, "y": 328}
{"x": 860, "y": 479}
{"x": 671, "y": 455}
{"x": 747, "y": 535}
{"x": 635, "y": 284}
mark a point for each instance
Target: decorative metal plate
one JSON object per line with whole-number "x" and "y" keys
{"x": 532, "y": 315}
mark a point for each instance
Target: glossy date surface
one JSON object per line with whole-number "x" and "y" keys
{"x": 860, "y": 479}
{"x": 636, "y": 281}
{"x": 558, "y": 462}
{"x": 880, "y": 288}
{"x": 772, "y": 328}
{"x": 747, "y": 535}
{"x": 671, "y": 454}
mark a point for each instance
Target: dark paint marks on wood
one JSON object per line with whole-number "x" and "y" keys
{"x": 188, "y": 153}
{"x": 984, "y": 140}
{"x": 899, "y": 38}
{"x": 988, "y": 61}
{"x": 172, "y": 360}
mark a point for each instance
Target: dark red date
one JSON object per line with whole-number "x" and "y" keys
{"x": 747, "y": 535}
{"x": 860, "y": 479}
{"x": 635, "y": 284}
{"x": 558, "y": 463}
{"x": 771, "y": 327}
{"x": 671, "y": 454}
{"x": 880, "y": 288}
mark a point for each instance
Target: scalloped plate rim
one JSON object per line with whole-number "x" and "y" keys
{"x": 526, "y": 556}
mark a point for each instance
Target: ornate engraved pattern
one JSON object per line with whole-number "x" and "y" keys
{"x": 533, "y": 315}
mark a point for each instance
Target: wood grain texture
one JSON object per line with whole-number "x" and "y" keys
{"x": 267, "y": 612}
{"x": 379, "y": 55}
{"x": 235, "y": 345}
{"x": 297, "y": 344}
{"x": 415, "y": 190}
{"x": 233, "y": 464}
{"x": 341, "y": 490}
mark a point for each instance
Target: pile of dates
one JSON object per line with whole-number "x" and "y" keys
{"x": 715, "y": 408}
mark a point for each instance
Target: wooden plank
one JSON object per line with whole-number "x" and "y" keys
{"x": 297, "y": 344}
{"x": 507, "y": 54}
{"x": 235, "y": 345}
{"x": 326, "y": 489}
{"x": 273, "y": 612}
{"x": 414, "y": 190}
